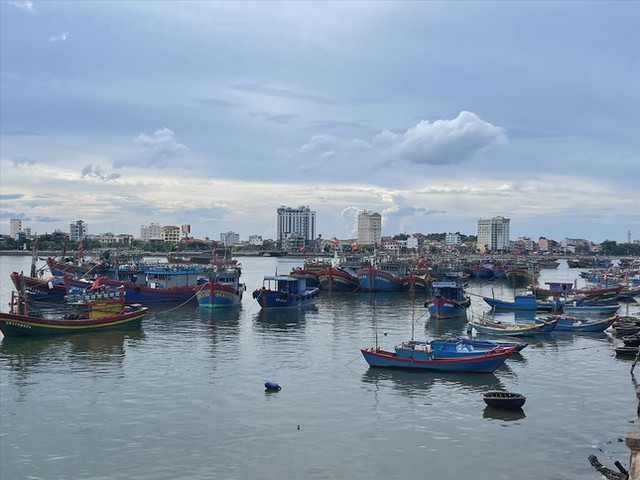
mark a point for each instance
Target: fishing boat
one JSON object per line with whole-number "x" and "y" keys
{"x": 383, "y": 277}
{"x": 578, "y": 308}
{"x": 475, "y": 342}
{"x": 283, "y": 292}
{"x": 566, "y": 289}
{"x": 88, "y": 315}
{"x": 413, "y": 282}
{"x": 162, "y": 283}
{"x": 338, "y": 279}
{"x": 574, "y": 324}
{"x": 48, "y": 288}
{"x": 452, "y": 348}
{"x": 448, "y": 300}
{"x": 420, "y": 357}
{"x": 484, "y": 325}
{"x": 223, "y": 289}
{"x": 507, "y": 400}
{"x": 519, "y": 277}
{"x": 524, "y": 302}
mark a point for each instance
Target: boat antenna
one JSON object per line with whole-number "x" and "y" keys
{"x": 375, "y": 323}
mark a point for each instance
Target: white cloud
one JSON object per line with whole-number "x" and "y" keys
{"x": 59, "y": 38}
{"x": 98, "y": 172}
{"x": 402, "y": 217}
{"x": 26, "y": 5}
{"x": 23, "y": 161}
{"x": 446, "y": 141}
{"x": 157, "y": 150}
{"x": 441, "y": 142}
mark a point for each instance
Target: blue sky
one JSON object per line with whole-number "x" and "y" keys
{"x": 434, "y": 114}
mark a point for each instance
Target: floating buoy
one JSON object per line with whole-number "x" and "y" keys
{"x": 272, "y": 386}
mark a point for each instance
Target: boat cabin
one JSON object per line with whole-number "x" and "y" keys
{"x": 448, "y": 290}
{"x": 285, "y": 284}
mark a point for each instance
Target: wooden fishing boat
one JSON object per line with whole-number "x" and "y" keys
{"x": 524, "y": 302}
{"x": 477, "y": 343}
{"x": 453, "y": 348}
{"x": 284, "y": 291}
{"x": 50, "y": 288}
{"x": 223, "y": 289}
{"x": 506, "y": 400}
{"x": 591, "y": 309}
{"x": 87, "y": 316}
{"x": 448, "y": 300}
{"x": 419, "y": 358}
{"x": 484, "y": 325}
{"x": 574, "y": 324}
{"x": 338, "y": 279}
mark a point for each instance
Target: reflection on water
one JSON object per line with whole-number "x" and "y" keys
{"x": 97, "y": 351}
{"x": 443, "y": 327}
{"x": 411, "y": 383}
{"x": 220, "y": 316}
{"x": 503, "y": 414}
{"x": 285, "y": 317}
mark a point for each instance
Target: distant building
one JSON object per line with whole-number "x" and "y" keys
{"x": 171, "y": 234}
{"x": 15, "y": 226}
{"x": 150, "y": 232}
{"x": 78, "y": 231}
{"x": 296, "y": 223}
{"x": 229, "y": 238}
{"x": 452, "y": 239}
{"x": 369, "y": 228}
{"x": 493, "y": 233}
{"x": 255, "y": 240}
{"x": 27, "y": 231}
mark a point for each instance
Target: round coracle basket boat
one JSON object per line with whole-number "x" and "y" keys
{"x": 509, "y": 400}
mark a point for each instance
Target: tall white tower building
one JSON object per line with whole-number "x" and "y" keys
{"x": 494, "y": 233}
{"x": 300, "y": 221}
{"x": 369, "y": 228}
{"x": 15, "y": 226}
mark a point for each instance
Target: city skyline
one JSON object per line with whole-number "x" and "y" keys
{"x": 433, "y": 114}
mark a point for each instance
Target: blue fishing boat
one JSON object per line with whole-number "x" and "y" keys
{"x": 525, "y": 302}
{"x": 475, "y": 342}
{"x": 577, "y": 308}
{"x": 161, "y": 283}
{"x": 384, "y": 277}
{"x": 284, "y": 291}
{"x": 451, "y": 348}
{"x": 223, "y": 289}
{"x": 573, "y": 324}
{"x": 420, "y": 358}
{"x": 448, "y": 300}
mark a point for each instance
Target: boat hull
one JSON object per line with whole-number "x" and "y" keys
{"x": 573, "y": 324}
{"x": 143, "y": 294}
{"x": 497, "y": 328}
{"x": 270, "y": 299}
{"x": 485, "y": 363}
{"x": 14, "y": 325}
{"x": 444, "y": 308}
{"x": 219, "y": 296}
{"x": 336, "y": 280}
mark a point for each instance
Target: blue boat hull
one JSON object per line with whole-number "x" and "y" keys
{"x": 273, "y": 299}
{"x": 444, "y": 308}
{"x": 221, "y": 298}
{"x": 379, "y": 282}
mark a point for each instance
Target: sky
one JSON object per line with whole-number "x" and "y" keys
{"x": 214, "y": 114}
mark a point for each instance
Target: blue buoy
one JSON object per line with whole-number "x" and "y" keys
{"x": 272, "y": 386}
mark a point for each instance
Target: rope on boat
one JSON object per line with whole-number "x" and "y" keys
{"x": 206, "y": 284}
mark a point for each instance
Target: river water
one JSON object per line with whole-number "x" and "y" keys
{"x": 184, "y": 397}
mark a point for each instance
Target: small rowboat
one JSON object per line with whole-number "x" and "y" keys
{"x": 483, "y": 325}
{"x": 509, "y": 400}
{"x": 626, "y": 351}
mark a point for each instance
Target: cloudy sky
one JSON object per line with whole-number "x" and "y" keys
{"x": 434, "y": 114}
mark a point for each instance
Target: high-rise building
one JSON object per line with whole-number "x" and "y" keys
{"x": 78, "y": 230}
{"x": 369, "y": 228}
{"x": 171, "y": 234}
{"x": 493, "y": 233}
{"x": 15, "y": 226}
{"x": 299, "y": 221}
{"x": 151, "y": 232}
{"x": 229, "y": 238}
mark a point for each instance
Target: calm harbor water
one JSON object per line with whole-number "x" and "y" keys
{"x": 184, "y": 398}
